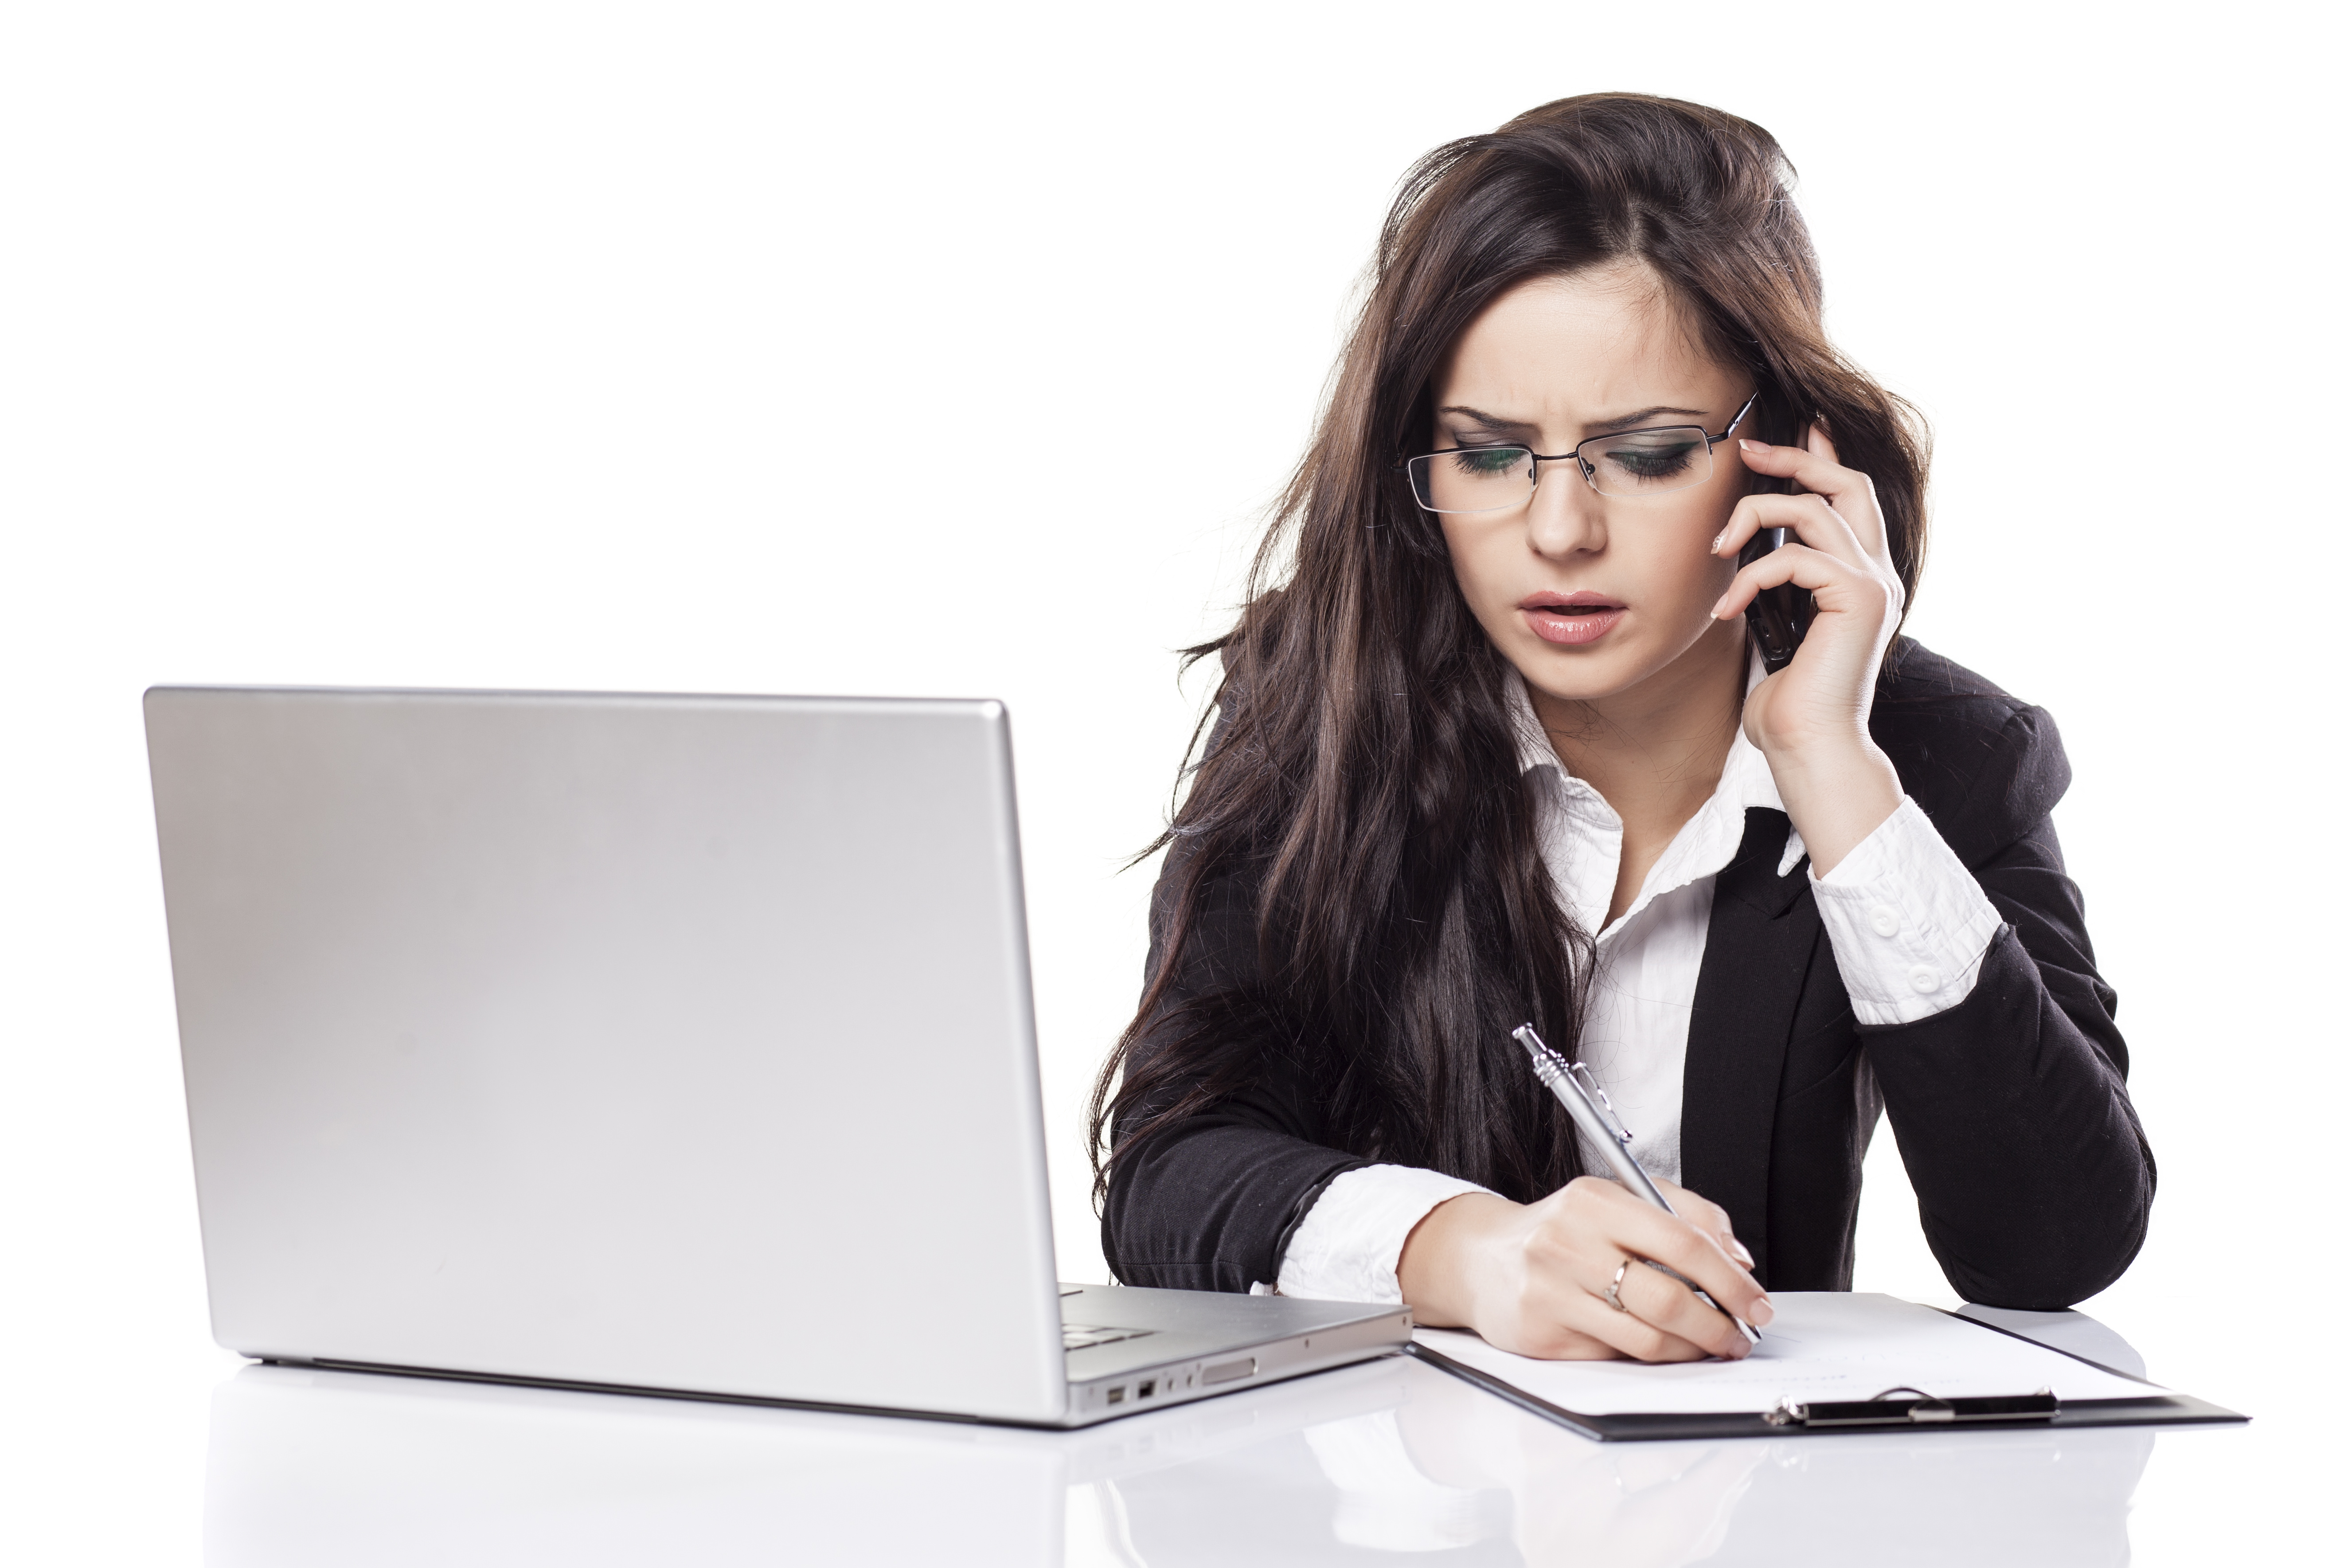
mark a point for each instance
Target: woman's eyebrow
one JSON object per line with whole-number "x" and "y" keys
{"x": 1596, "y": 426}
{"x": 1641, "y": 416}
{"x": 1492, "y": 421}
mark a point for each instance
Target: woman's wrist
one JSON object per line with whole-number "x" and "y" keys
{"x": 1837, "y": 793}
{"x": 1433, "y": 1267}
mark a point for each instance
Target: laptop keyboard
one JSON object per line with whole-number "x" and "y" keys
{"x": 1079, "y": 1337}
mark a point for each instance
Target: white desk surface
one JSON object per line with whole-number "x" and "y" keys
{"x": 256, "y": 1467}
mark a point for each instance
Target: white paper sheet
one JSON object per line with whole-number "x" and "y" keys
{"x": 1822, "y": 1345}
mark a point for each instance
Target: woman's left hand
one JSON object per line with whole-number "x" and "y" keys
{"x": 1812, "y": 718}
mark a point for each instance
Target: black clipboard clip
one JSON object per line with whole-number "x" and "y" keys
{"x": 1922, "y": 1409}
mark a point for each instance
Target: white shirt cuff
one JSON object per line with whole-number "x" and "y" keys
{"x": 1908, "y": 922}
{"x": 1346, "y": 1248}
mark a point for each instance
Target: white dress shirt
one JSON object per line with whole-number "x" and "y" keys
{"x": 1906, "y": 923}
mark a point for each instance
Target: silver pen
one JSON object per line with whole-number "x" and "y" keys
{"x": 1601, "y": 1125}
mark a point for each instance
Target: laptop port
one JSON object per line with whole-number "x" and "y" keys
{"x": 1143, "y": 1390}
{"x": 1115, "y": 1396}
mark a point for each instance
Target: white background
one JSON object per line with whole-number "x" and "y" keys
{"x": 503, "y": 344}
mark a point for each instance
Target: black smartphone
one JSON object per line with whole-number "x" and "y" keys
{"x": 1777, "y": 617}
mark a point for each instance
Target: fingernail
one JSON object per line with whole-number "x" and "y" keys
{"x": 1760, "y": 1313}
{"x": 1748, "y": 445}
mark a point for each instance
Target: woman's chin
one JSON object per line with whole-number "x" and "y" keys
{"x": 1622, "y": 656}
{"x": 1581, "y": 675}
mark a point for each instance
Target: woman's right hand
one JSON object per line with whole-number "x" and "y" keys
{"x": 1531, "y": 1278}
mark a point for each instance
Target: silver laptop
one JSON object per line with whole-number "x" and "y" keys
{"x": 676, "y": 1044}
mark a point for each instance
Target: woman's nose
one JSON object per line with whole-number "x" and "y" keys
{"x": 1564, "y": 518}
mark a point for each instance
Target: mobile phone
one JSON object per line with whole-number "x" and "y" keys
{"x": 1777, "y": 617}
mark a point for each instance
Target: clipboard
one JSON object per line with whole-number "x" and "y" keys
{"x": 1899, "y": 1409}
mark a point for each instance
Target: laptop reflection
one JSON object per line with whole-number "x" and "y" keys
{"x": 1348, "y": 1467}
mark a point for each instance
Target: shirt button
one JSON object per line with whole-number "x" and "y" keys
{"x": 1884, "y": 919}
{"x": 1923, "y": 980}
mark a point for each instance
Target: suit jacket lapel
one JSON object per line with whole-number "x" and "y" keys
{"x": 1760, "y": 939}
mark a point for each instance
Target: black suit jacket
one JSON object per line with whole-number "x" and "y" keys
{"x": 2032, "y": 1175}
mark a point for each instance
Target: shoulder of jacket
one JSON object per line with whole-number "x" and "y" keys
{"x": 1984, "y": 766}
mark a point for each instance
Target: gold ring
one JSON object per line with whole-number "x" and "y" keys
{"x": 1610, "y": 1294}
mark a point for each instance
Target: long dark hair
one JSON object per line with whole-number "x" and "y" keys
{"x": 1361, "y": 775}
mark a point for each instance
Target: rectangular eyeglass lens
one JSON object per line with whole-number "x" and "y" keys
{"x": 1480, "y": 480}
{"x": 1647, "y": 462}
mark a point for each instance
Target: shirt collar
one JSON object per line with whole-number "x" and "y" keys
{"x": 1705, "y": 843}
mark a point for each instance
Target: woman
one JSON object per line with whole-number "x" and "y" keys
{"x": 1493, "y": 747}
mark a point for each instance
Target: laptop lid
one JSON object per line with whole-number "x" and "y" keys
{"x": 681, "y": 1042}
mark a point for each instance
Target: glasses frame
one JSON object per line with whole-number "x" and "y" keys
{"x": 1537, "y": 459}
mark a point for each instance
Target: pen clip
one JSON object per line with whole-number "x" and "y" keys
{"x": 1590, "y": 1085}
{"x": 1579, "y": 1077}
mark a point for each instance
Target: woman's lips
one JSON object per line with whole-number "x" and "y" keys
{"x": 1571, "y": 619}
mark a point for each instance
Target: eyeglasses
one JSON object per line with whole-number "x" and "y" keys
{"x": 1649, "y": 462}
